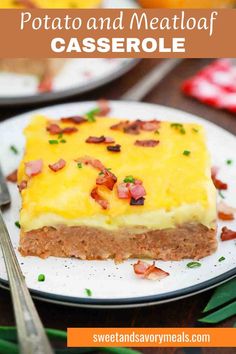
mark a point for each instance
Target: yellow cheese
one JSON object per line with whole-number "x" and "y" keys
{"x": 56, "y": 4}
{"x": 178, "y": 186}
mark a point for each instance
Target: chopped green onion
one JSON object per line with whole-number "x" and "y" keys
{"x": 41, "y": 277}
{"x": 221, "y": 194}
{"x": 157, "y": 132}
{"x": 221, "y": 259}
{"x": 88, "y": 292}
{"x": 229, "y": 162}
{"x": 14, "y": 149}
{"x": 194, "y": 265}
{"x": 17, "y": 224}
{"x": 195, "y": 130}
{"x": 53, "y": 142}
{"x": 129, "y": 179}
{"x": 179, "y": 127}
{"x": 79, "y": 165}
{"x": 186, "y": 152}
{"x": 91, "y": 115}
{"x": 60, "y": 136}
{"x": 63, "y": 141}
{"x": 182, "y": 131}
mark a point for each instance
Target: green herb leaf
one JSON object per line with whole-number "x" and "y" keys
{"x": 194, "y": 265}
{"x": 229, "y": 162}
{"x": 92, "y": 114}
{"x": 60, "y": 136}
{"x": 223, "y": 294}
{"x": 220, "y": 315}
{"x": 88, "y": 292}
{"x": 14, "y": 149}
{"x": 195, "y": 130}
{"x": 17, "y": 224}
{"x": 129, "y": 179}
{"x": 53, "y": 142}
{"x": 221, "y": 259}
{"x": 186, "y": 152}
{"x": 79, "y": 165}
{"x": 63, "y": 141}
{"x": 41, "y": 277}
{"x": 179, "y": 127}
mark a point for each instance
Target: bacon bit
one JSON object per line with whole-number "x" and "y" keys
{"x": 74, "y": 119}
{"x": 109, "y": 140}
{"x": 54, "y": 129}
{"x": 95, "y": 139}
{"x": 57, "y": 166}
{"x": 120, "y": 126}
{"x": 151, "y": 125}
{"x": 101, "y": 201}
{"x": 46, "y": 84}
{"x": 147, "y": 143}
{"x": 137, "y": 191}
{"x": 137, "y": 202}
{"x": 33, "y": 168}
{"x": 114, "y": 148}
{"x": 107, "y": 179}
{"x": 12, "y": 177}
{"x": 104, "y": 108}
{"x": 225, "y": 212}
{"x": 123, "y": 191}
{"x": 132, "y": 128}
{"x": 92, "y": 162}
{"x": 227, "y": 234}
{"x": 217, "y": 182}
{"x": 22, "y": 185}
{"x": 151, "y": 272}
{"x": 69, "y": 130}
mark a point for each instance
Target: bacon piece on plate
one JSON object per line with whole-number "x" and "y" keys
{"x": 149, "y": 271}
{"x": 87, "y": 160}
{"x": 100, "y": 200}
{"x": 54, "y": 129}
{"x": 33, "y": 168}
{"x": 104, "y": 107}
{"x": 22, "y": 185}
{"x": 107, "y": 179}
{"x": 74, "y": 119}
{"x": 137, "y": 191}
{"x": 12, "y": 177}
{"x": 150, "y": 125}
{"x": 69, "y": 130}
{"x": 227, "y": 234}
{"x": 95, "y": 139}
{"x": 120, "y": 126}
{"x": 114, "y": 148}
{"x": 217, "y": 182}
{"x": 225, "y": 212}
{"x": 147, "y": 143}
{"x": 57, "y": 166}
{"x": 132, "y": 128}
{"x": 123, "y": 191}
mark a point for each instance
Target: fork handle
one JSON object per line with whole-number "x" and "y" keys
{"x": 31, "y": 335}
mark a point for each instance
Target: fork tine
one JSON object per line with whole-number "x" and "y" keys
{"x": 4, "y": 192}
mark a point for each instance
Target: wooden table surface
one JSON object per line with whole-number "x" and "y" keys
{"x": 183, "y": 313}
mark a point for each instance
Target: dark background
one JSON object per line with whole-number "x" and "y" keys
{"x": 182, "y": 313}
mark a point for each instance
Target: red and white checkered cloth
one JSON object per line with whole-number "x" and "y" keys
{"x": 214, "y": 85}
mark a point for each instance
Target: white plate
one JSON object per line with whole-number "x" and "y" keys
{"x": 78, "y": 75}
{"x": 111, "y": 284}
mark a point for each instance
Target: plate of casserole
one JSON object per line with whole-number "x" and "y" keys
{"x": 119, "y": 204}
{"x": 27, "y": 81}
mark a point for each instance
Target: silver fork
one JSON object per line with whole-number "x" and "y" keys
{"x": 31, "y": 335}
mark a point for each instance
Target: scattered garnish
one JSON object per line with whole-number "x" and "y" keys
{"x": 129, "y": 179}
{"x": 195, "y": 130}
{"x": 69, "y": 130}
{"x": 221, "y": 259}
{"x": 229, "y": 162}
{"x": 147, "y": 143}
{"x": 99, "y": 140}
{"x": 136, "y": 126}
{"x": 157, "y": 132}
{"x": 99, "y": 199}
{"x": 149, "y": 271}
{"x": 41, "y": 277}
{"x": 57, "y": 166}
{"x": 225, "y": 212}
{"x": 221, "y": 194}
{"x": 62, "y": 141}
{"x": 14, "y": 149}
{"x": 92, "y": 114}
{"x": 114, "y": 148}
{"x": 54, "y": 129}
{"x": 53, "y": 142}
{"x": 186, "y": 152}
{"x": 33, "y": 168}
{"x": 137, "y": 202}
{"x": 88, "y": 292}
{"x": 194, "y": 265}
{"x": 12, "y": 177}
{"x": 217, "y": 182}
{"x": 227, "y": 234}
{"x": 17, "y": 224}
{"x": 74, "y": 119}
{"x": 179, "y": 127}
{"x": 107, "y": 179}
{"x": 79, "y": 165}
{"x": 225, "y": 216}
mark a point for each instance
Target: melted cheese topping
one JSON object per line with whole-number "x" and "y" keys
{"x": 179, "y": 187}
{"x": 56, "y": 4}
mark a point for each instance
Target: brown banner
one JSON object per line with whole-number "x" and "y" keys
{"x": 117, "y": 33}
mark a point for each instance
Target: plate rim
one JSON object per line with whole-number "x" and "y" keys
{"x": 146, "y": 300}
{"x": 66, "y": 93}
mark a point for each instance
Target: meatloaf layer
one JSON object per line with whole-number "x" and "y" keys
{"x": 189, "y": 240}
